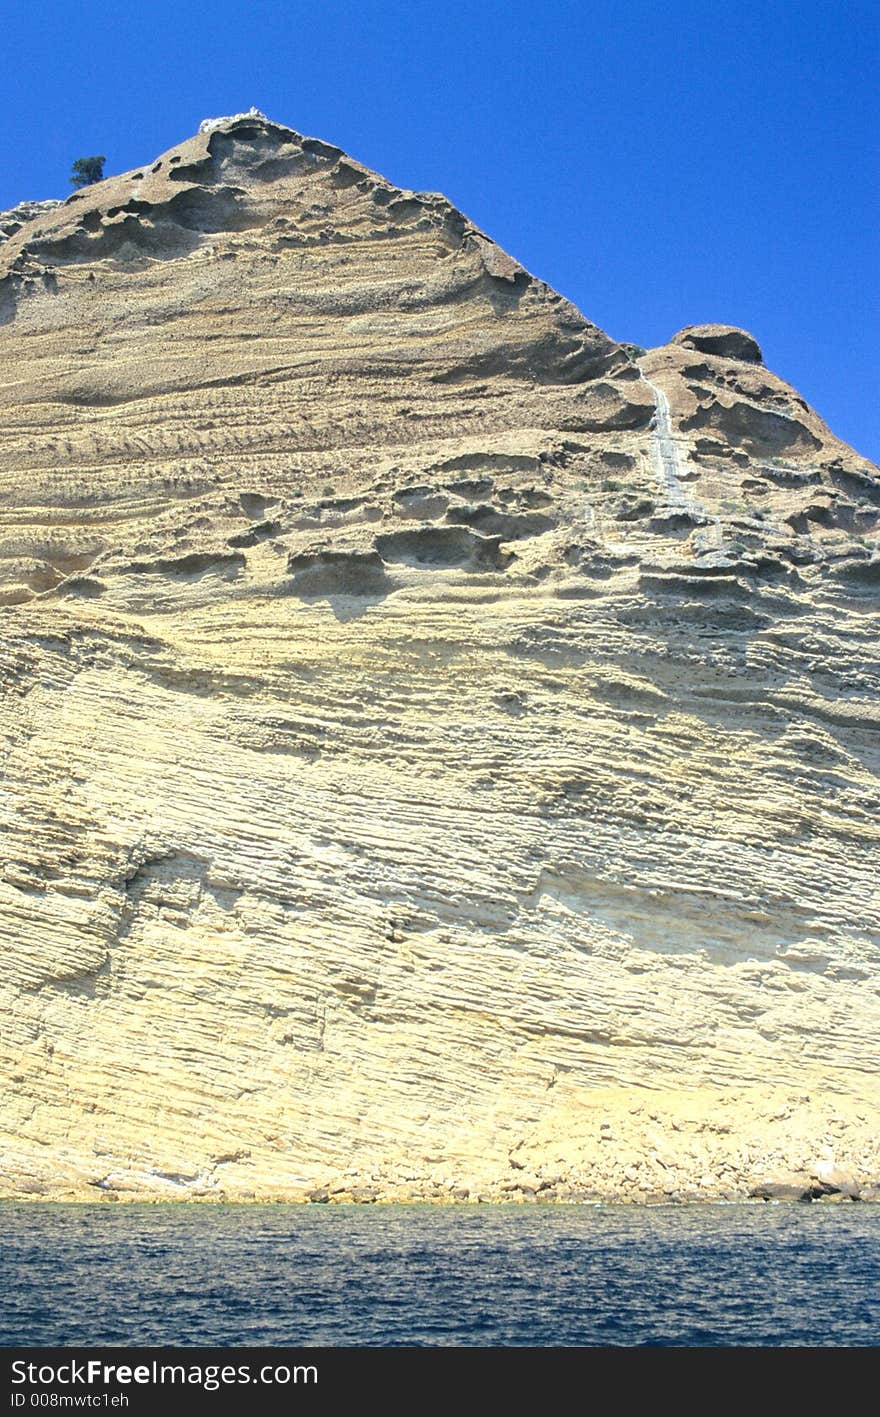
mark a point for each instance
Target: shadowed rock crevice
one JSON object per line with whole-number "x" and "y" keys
{"x": 327, "y": 573}
{"x": 190, "y": 566}
{"x": 509, "y": 526}
{"x": 442, "y": 549}
{"x": 762, "y": 433}
{"x": 724, "y": 340}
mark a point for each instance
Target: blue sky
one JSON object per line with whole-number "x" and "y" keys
{"x": 661, "y": 164}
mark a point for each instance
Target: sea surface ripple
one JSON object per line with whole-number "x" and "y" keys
{"x": 535, "y": 1275}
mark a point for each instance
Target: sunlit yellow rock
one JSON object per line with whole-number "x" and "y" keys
{"x": 440, "y": 753}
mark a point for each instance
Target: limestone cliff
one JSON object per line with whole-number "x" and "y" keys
{"x": 439, "y": 751}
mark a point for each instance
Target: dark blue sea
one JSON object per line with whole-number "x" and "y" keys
{"x": 552, "y": 1275}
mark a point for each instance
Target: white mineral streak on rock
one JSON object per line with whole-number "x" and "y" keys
{"x": 666, "y": 457}
{"x": 376, "y": 819}
{"x": 667, "y": 462}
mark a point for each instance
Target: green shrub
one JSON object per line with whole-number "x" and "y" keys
{"x": 87, "y": 170}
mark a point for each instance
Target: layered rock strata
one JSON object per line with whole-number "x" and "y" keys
{"x": 439, "y": 749}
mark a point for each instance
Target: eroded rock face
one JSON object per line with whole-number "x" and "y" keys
{"x": 724, "y": 340}
{"x": 12, "y": 221}
{"x": 440, "y": 752}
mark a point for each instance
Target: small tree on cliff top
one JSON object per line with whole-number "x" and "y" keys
{"x": 87, "y": 170}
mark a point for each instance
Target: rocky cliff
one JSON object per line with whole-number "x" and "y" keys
{"x": 440, "y": 745}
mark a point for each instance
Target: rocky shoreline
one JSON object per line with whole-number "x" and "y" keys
{"x": 601, "y": 1149}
